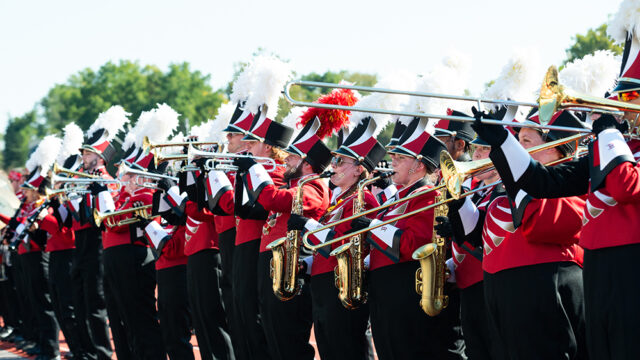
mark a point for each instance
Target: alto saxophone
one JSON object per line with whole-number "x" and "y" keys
{"x": 430, "y": 277}
{"x": 349, "y": 273}
{"x": 286, "y": 251}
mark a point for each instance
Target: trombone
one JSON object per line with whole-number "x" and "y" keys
{"x": 148, "y": 145}
{"x": 109, "y": 221}
{"x": 57, "y": 169}
{"x": 125, "y": 169}
{"x": 224, "y": 161}
{"x": 553, "y": 97}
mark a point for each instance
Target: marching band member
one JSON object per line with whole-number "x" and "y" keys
{"x": 400, "y": 328}
{"x": 87, "y": 270}
{"x": 456, "y": 135}
{"x": 340, "y": 332}
{"x": 34, "y": 261}
{"x": 531, "y": 252}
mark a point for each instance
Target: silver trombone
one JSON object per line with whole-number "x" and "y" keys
{"x": 224, "y": 161}
{"x": 142, "y": 175}
{"x": 553, "y": 97}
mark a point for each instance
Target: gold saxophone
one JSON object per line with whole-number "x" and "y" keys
{"x": 430, "y": 278}
{"x": 286, "y": 251}
{"x": 349, "y": 273}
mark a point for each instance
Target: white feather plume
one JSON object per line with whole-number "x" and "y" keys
{"x": 133, "y": 137}
{"x": 626, "y": 21}
{"x": 45, "y": 154}
{"x": 519, "y": 79}
{"x": 396, "y": 80}
{"x": 225, "y": 112}
{"x": 112, "y": 120}
{"x": 243, "y": 86}
{"x": 270, "y": 74}
{"x": 162, "y": 123}
{"x": 73, "y": 139}
{"x": 594, "y": 74}
{"x": 451, "y": 77}
{"x": 291, "y": 120}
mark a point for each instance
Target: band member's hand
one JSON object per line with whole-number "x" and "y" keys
{"x": 360, "y": 223}
{"x": 142, "y": 222}
{"x": 443, "y": 228}
{"x": 383, "y": 182}
{"x": 13, "y": 223}
{"x": 494, "y": 135}
{"x": 97, "y": 188}
{"x": 455, "y": 205}
{"x": 296, "y": 222}
{"x": 54, "y": 203}
{"x": 244, "y": 163}
{"x": 606, "y": 121}
{"x": 166, "y": 184}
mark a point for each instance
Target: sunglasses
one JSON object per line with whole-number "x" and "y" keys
{"x": 337, "y": 161}
{"x": 628, "y": 95}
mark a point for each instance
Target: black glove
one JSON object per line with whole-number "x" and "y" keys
{"x": 383, "y": 183}
{"x": 606, "y": 121}
{"x": 443, "y": 228}
{"x": 244, "y": 163}
{"x": 296, "y": 222}
{"x": 142, "y": 222}
{"x": 494, "y": 135}
{"x": 54, "y": 203}
{"x": 359, "y": 224}
{"x": 455, "y": 205}
{"x": 166, "y": 184}
{"x": 97, "y": 188}
{"x": 13, "y": 223}
{"x": 200, "y": 163}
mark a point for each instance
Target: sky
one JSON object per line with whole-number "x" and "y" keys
{"x": 42, "y": 43}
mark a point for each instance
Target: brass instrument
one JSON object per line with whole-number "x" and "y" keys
{"x": 349, "y": 273}
{"x": 159, "y": 158}
{"x": 430, "y": 277}
{"x": 107, "y": 217}
{"x": 552, "y": 97}
{"x": 142, "y": 174}
{"x": 57, "y": 169}
{"x": 50, "y": 193}
{"x": 80, "y": 186}
{"x": 286, "y": 250}
{"x": 148, "y": 145}
{"x": 224, "y": 161}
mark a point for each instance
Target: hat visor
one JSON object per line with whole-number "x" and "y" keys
{"x": 292, "y": 150}
{"x": 479, "y": 142}
{"x": 93, "y": 150}
{"x": 624, "y": 86}
{"x": 251, "y": 137}
{"x": 345, "y": 152}
{"x": 233, "y": 129}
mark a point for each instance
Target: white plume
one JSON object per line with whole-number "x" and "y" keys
{"x": 519, "y": 79}
{"x": 625, "y": 22}
{"x": 291, "y": 120}
{"x": 133, "y": 137}
{"x": 450, "y": 77}
{"x": 45, "y": 154}
{"x": 162, "y": 123}
{"x": 594, "y": 74}
{"x": 270, "y": 74}
{"x": 225, "y": 112}
{"x": 112, "y": 120}
{"x": 243, "y": 86}
{"x": 73, "y": 139}
{"x": 397, "y": 80}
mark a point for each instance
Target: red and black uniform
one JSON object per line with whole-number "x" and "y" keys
{"x": 397, "y": 318}
{"x": 340, "y": 333}
{"x": 203, "y": 283}
{"x": 287, "y": 324}
{"x": 467, "y": 220}
{"x": 609, "y": 178}
{"x": 249, "y": 227}
{"x": 12, "y": 312}
{"x": 34, "y": 264}
{"x": 87, "y": 274}
{"x": 130, "y": 278}
{"x": 60, "y": 246}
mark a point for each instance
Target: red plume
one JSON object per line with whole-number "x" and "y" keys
{"x": 331, "y": 120}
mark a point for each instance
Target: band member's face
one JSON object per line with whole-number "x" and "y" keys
{"x": 449, "y": 142}
{"x": 404, "y": 166}
{"x": 31, "y": 195}
{"x": 258, "y": 148}
{"x": 294, "y": 166}
{"x": 130, "y": 180}
{"x": 631, "y": 97}
{"x": 530, "y": 138}
{"x": 482, "y": 152}
{"x": 89, "y": 160}
{"x": 346, "y": 170}
{"x": 235, "y": 142}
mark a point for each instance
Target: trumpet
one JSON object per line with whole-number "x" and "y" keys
{"x": 224, "y": 161}
{"x": 125, "y": 169}
{"x": 57, "y": 169}
{"x": 107, "y": 217}
{"x": 79, "y": 185}
{"x": 159, "y": 158}
{"x": 552, "y": 98}
{"x": 50, "y": 193}
{"x": 148, "y": 145}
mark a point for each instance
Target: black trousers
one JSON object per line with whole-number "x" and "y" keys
{"x": 479, "y": 341}
{"x": 401, "y": 330}
{"x": 252, "y": 338}
{"x": 25, "y": 313}
{"x": 130, "y": 270}
{"x": 612, "y": 295}
{"x": 10, "y": 299}
{"x": 209, "y": 319}
{"x": 121, "y": 343}
{"x": 36, "y": 268}
{"x": 88, "y": 294}
{"x": 340, "y": 333}
{"x": 173, "y": 310}
{"x": 287, "y": 324}
{"x": 226, "y": 242}
{"x": 60, "y": 289}
{"x": 538, "y": 310}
